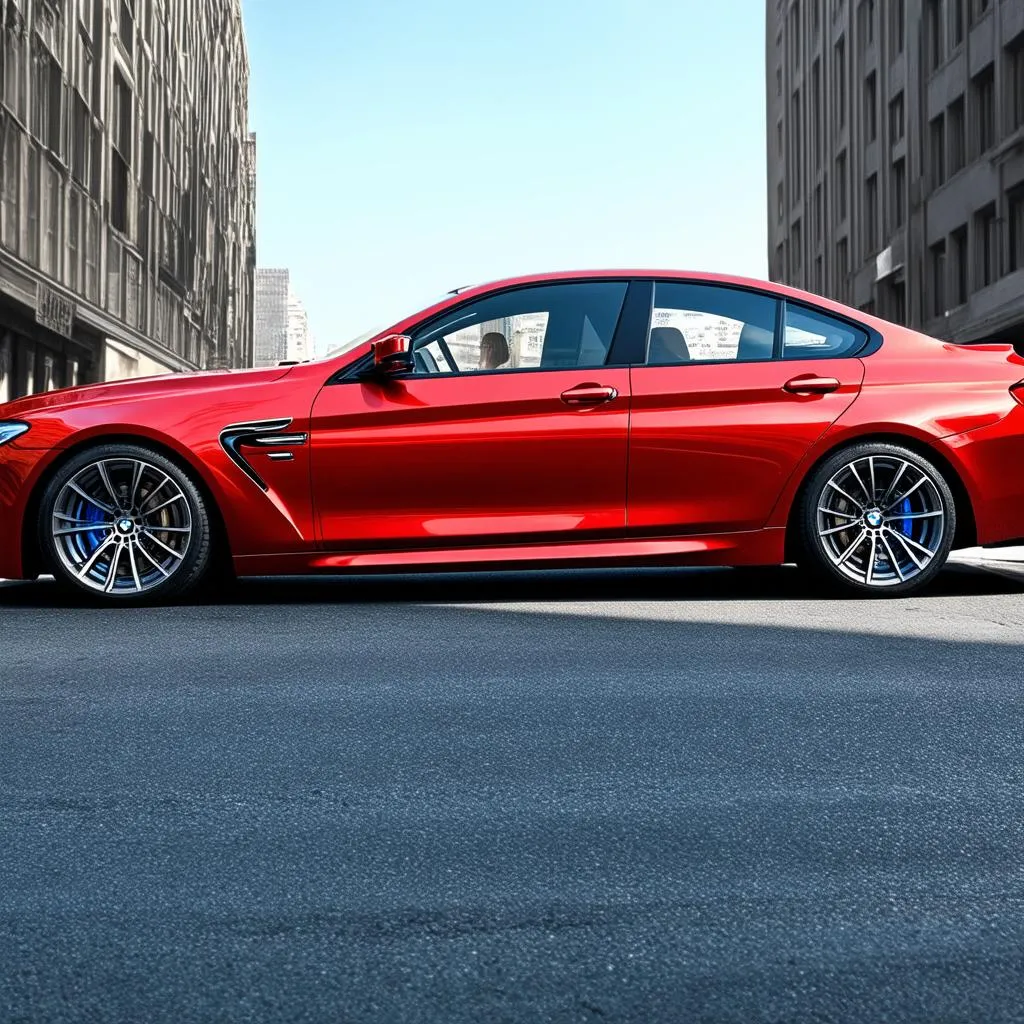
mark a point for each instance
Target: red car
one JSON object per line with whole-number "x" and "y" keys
{"x": 583, "y": 419}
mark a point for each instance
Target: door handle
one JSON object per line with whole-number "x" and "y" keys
{"x": 589, "y": 394}
{"x": 811, "y": 385}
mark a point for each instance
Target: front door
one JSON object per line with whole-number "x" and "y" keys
{"x": 512, "y": 429}
{"x": 726, "y": 406}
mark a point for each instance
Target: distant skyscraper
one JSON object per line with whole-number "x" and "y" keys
{"x": 271, "y": 326}
{"x": 300, "y": 342}
{"x": 896, "y": 158}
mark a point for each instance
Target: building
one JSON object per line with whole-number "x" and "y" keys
{"x": 896, "y": 159}
{"x": 127, "y": 202}
{"x": 282, "y": 326}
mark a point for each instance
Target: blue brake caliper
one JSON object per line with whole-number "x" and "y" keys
{"x": 89, "y": 513}
{"x": 904, "y": 525}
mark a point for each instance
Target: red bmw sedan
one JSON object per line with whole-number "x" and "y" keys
{"x": 581, "y": 419}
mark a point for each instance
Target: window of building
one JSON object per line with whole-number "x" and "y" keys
{"x": 1015, "y": 83}
{"x": 842, "y": 268}
{"x": 978, "y": 8}
{"x": 126, "y": 24}
{"x": 74, "y": 278}
{"x": 839, "y": 82}
{"x": 957, "y": 136}
{"x": 708, "y": 323}
{"x": 899, "y": 193}
{"x": 90, "y": 221}
{"x": 1015, "y": 217}
{"x": 961, "y": 266}
{"x": 935, "y": 29}
{"x": 32, "y": 206}
{"x": 956, "y": 22}
{"x": 794, "y": 32}
{"x": 819, "y": 214}
{"x": 841, "y": 186}
{"x": 816, "y": 15}
{"x": 11, "y": 68}
{"x": 897, "y": 26}
{"x": 50, "y": 216}
{"x": 895, "y": 295}
{"x": 937, "y": 136}
{"x": 11, "y": 166}
{"x": 796, "y": 147}
{"x": 819, "y": 275}
{"x": 47, "y": 88}
{"x": 937, "y": 263}
{"x": 85, "y": 15}
{"x": 796, "y": 235}
{"x": 123, "y": 122}
{"x": 986, "y": 235}
{"x": 810, "y": 334}
{"x": 983, "y": 89}
{"x": 897, "y": 123}
{"x": 781, "y": 196}
{"x": 865, "y": 23}
{"x": 871, "y": 214}
{"x": 555, "y": 326}
{"x": 81, "y": 139}
{"x": 871, "y": 107}
{"x": 816, "y": 110}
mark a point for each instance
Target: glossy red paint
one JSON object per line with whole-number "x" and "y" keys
{"x": 630, "y": 464}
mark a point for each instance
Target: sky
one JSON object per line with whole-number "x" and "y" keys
{"x": 406, "y": 148}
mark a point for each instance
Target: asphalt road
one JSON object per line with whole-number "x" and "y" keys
{"x": 585, "y": 797}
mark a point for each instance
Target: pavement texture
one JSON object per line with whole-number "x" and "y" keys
{"x": 689, "y": 796}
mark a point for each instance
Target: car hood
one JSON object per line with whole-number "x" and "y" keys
{"x": 140, "y": 387}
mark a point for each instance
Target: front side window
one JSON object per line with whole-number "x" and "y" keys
{"x": 813, "y": 335}
{"x": 708, "y": 323}
{"x": 558, "y": 326}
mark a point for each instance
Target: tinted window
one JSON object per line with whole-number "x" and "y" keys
{"x": 811, "y": 335}
{"x": 707, "y": 323}
{"x": 543, "y": 327}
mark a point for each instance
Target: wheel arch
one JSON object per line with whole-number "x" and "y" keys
{"x": 33, "y": 561}
{"x": 966, "y": 527}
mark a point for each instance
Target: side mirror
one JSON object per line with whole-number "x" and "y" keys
{"x": 393, "y": 355}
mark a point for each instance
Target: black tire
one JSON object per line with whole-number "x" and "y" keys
{"x": 889, "y": 556}
{"x": 180, "y": 574}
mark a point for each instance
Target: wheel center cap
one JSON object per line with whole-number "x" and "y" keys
{"x": 125, "y": 526}
{"x": 873, "y": 519}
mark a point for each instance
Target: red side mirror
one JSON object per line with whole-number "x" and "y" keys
{"x": 393, "y": 355}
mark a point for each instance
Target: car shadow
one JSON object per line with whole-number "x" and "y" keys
{"x": 776, "y": 583}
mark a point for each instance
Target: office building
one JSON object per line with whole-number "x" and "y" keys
{"x": 896, "y": 159}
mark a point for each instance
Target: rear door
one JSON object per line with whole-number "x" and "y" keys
{"x": 736, "y": 387}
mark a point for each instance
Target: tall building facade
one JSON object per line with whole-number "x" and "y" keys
{"x": 271, "y": 316}
{"x": 127, "y": 190}
{"x": 300, "y": 341}
{"x": 896, "y": 159}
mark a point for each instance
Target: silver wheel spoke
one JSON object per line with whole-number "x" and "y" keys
{"x": 152, "y": 561}
{"x": 914, "y": 544}
{"x": 112, "y": 571}
{"x": 135, "y": 568}
{"x": 94, "y": 558}
{"x": 153, "y": 493}
{"x": 101, "y": 468}
{"x": 836, "y": 529}
{"x": 913, "y": 515}
{"x": 860, "y": 483}
{"x": 870, "y": 571}
{"x": 160, "y": 543}
{"x": 851, "y": 500}
{"x": 69, "y": 531}
{"x": 904, "y": 466}
{"x": 853, "y": 547}
{"x": 909, "y": 551}
{"x": 893, "y": 559}
{"x": 907, "y": 494}
{"x": 832, "y": 512}
{"x": 153, "y": 511}
{"x": 136, "y": 480}
{"x": 871, "y": 467}
{"x": 92, "y": 501}
{"x": 169, "y": 529}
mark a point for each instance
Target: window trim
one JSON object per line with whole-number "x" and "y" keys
{"x": 354, "y": 372}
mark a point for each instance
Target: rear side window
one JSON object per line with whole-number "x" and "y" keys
{"x": 694, "y": 323}
{"x": 812, "y": 335}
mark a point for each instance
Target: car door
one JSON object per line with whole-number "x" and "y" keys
{"x": 736, "y": 387}
{"x": 513, "y": 428}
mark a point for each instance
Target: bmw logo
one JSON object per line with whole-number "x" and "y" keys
{"x": 125, "y": 525}
{"x": 874, "y": 519}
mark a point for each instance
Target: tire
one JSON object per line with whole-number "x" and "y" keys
{"x": 892, "y": 545}
{"x": 125, "y": 525}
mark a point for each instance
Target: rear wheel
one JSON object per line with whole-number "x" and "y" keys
{"x": 125, "y": 524}
{"x": 877, "y": 519}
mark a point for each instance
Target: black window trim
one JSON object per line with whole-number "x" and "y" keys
{"x": 354, "y": 373}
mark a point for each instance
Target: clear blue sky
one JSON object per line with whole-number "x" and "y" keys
{"x": 405, "y": 148}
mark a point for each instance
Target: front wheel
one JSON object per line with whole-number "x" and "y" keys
{"x": 877, "y": 519}
{"x": 126, "y": 524}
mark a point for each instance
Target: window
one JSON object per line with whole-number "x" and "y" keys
{"x": 871, "y": 214}
{"x": 897, "y": 124}
{"x": 780, "y": 195}
{"x": 32, "y": 205}
{"x": 839, "y": 83}
{"x": 897, "y": 26}
{"x": 121, "y": 155}
{"x": 819, "y": 214}
{"x": 707, "y": 323}
{"x": 81, "y": 139}
{"x": 11, "y": 167}
{"x": 841, "y": 186}
{"x": 961, "y": 267}
{"x": 819, "y": 275}
{"x": 957, "y": 136}
{"x": 956, "y": 22}
{"x": 126, "y": 24}
{"x": 812, "y": 335}
{"x": 978, "y": 8}
{"x": 816, "y": 109}
{"x": 899, "y": 193}
{"x": 842, "y": 268}
{"x": 866, "y": 23}
{"x": 896, "y": 301}
{"x": 796, "y": 236}
{"x": 51, "y": 211}
{"x": 986, "y": 246}
{"x": 1015, "y": 214}
{"x": 796, "y": 147}
{"x": 937, "y": 259}
{"x": 937, "y": 133}
{"x": 936, "y": 34}
{"x": 550, "y": 327}
{"x": 74, "y": 238}
{"x": 871, "y": 107}
{"x": 983, "y": 88}
{"x": 11, "y": 67}
{"x": 1015, "y": 83}
{"x": 794, "y": 32}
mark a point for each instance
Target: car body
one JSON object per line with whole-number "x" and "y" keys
{"x": 642, "y": 449}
